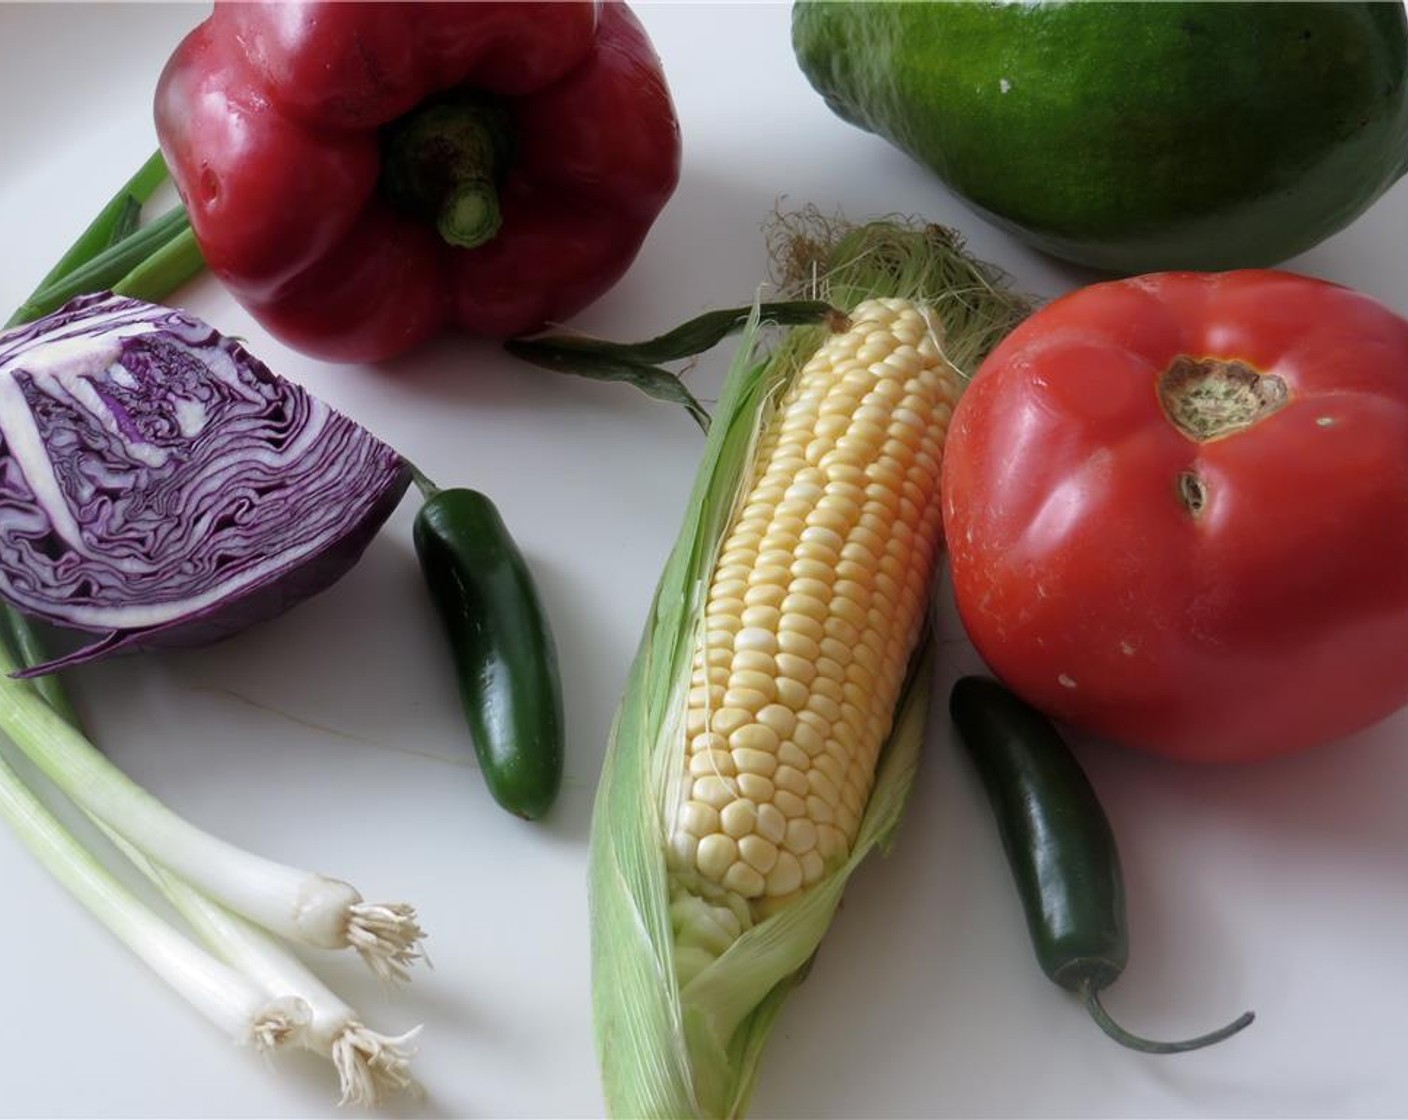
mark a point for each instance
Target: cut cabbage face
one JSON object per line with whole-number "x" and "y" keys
{"x": 160, "y": 486}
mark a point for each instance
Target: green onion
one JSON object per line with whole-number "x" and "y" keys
{"x": 367, "y": 1063}
{"x": 166, "y": 269}
{"x": 106, "y": 270}
{"x": 230, "y": 1001}
{"x": 252, "y": 987}
{"x": 114, "y": 223}
{"x": 125, "y": 223}
{"x": 29, "y": 649}
{"x": 299, "y": 905}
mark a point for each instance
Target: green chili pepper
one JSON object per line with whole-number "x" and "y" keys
{"x": 503, "y": 649}
{"x": 1060, "y": 847}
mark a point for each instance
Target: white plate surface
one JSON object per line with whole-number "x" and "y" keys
{"x": 331, "y": 737}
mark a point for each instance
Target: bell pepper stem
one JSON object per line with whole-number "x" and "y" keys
{"x": 441, "y": 163}
{"x": 470, "y": 216}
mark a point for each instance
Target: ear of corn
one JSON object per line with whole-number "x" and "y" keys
{"x": 772, "y": 725}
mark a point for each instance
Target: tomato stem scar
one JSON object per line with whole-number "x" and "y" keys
{"x": 1206, "y": 398}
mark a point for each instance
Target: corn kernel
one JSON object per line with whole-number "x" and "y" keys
{"x": 738, "y": 818}
{"x": 713, "y": 791}
{"x": 779, "y": 719}
{"x": 798, "y": 644}
{"x": 757, "y": 762}
{"x": 717, "y": 853}
{"x": 785, "y": 876}
{"x": 698, "y": 819}
{"x": 726, "y": 721}
{"x": 744, "y": 880}
{"x": 756, "y": 787}
{"x": 789, "y": 805}
{"x": 791, "y": 693}
{"x": 704, "y": 763}
{"x": 756, "y": 638}
{"x": 753, "y": 681}
{"x": 801, "y": 836}
{"x": 789, "y": 754}
{"x": 792, "y": 780}
{"x": 757, "y": 853}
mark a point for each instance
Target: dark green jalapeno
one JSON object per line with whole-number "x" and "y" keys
{"x": 1060, "y": 847}
{"x": 503, "y": 649}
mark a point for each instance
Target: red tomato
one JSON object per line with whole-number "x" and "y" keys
{"x": 1177, "y": 512}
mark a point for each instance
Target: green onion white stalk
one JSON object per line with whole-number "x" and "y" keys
{"x": 302, "y": 906}
{"x": 234, "y": 1003}
{"x": 253, "y": 989}
{"x": 368, "y": 1063}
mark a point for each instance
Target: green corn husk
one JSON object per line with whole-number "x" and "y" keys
{"x": 694, "y": 1052}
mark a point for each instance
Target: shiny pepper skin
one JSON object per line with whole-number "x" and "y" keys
{"x": 280, "y": 123}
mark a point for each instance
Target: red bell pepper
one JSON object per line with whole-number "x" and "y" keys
{"x": 360, "y": 175}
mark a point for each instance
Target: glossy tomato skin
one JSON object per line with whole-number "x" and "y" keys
{"x": 1270, "y": 614}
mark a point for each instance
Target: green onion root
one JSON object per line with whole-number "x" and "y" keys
{"x": 368, "y": 1064}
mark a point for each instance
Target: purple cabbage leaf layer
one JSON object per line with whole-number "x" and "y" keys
{"x": 160, "y": 486}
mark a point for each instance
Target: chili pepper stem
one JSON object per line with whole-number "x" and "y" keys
{"x": 422, "y": 481}
{"x": 1090, "y": 995}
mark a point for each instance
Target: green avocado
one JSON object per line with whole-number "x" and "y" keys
{"x": 1131, "y": 137}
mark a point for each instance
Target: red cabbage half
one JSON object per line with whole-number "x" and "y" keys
{"x": 159, "y": 486}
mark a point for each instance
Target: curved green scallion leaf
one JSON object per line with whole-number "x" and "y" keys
{"x": 639, "y": 363}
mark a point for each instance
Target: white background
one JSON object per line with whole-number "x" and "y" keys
{"x": 331, "y": 737}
